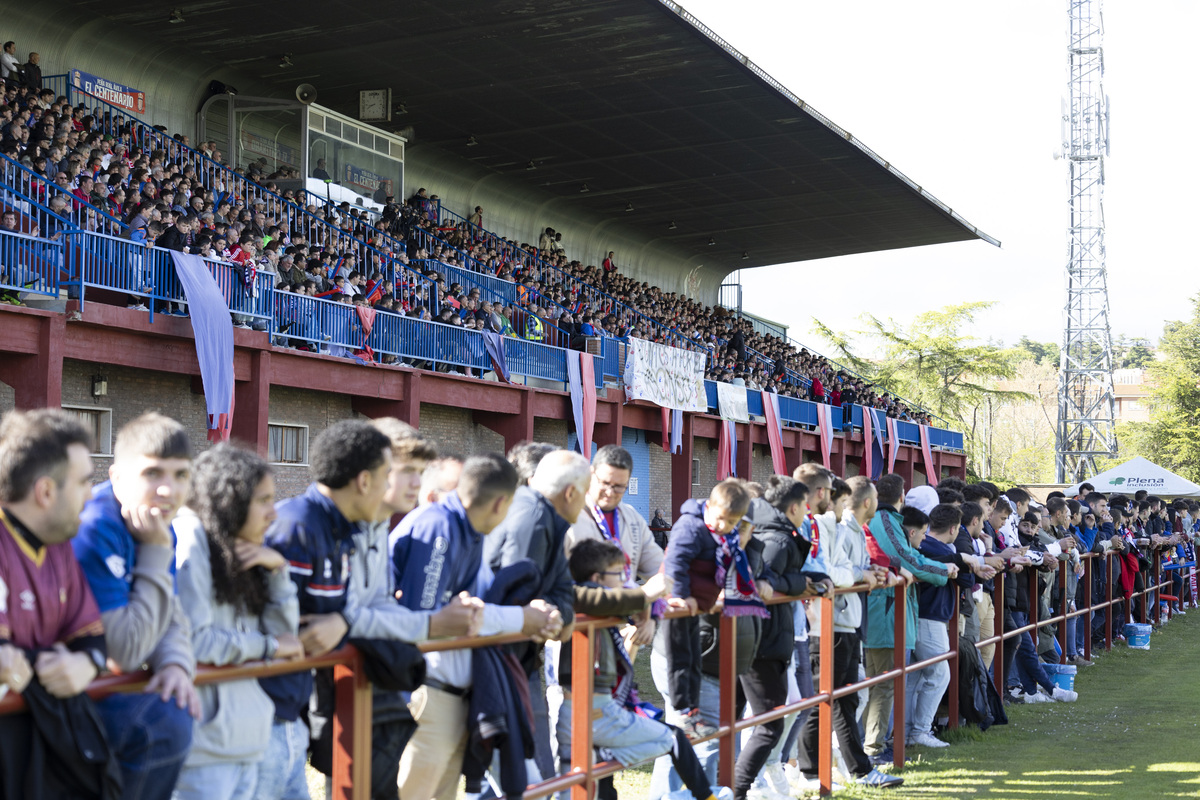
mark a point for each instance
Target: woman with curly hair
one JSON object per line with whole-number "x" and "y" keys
{"x": 242, "y": 606}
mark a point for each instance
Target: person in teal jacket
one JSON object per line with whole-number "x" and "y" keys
{"x": 887, "y": 529}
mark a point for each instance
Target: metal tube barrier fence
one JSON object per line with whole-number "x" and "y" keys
{"x": 29, "y": 265}
{"x": 352, "y": 712}
{"x": 40, "y": 189}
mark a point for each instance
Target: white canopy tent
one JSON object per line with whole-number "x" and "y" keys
{"x": 1138, "y": 473}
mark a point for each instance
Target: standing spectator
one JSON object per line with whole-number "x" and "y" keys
{"x": 606, "y": 516}
{"x": 775, "y": 517}
{"x": 45, "y": 479}
{"x": 33, "y": 73}
{"x": 704, "y": 544}
{"x": 242, "y": 606}
{"x": 535, "y": 528}
{"x": 10, "y": 67}
{"x": 936, "y": 607}
{"x": 126, "y": 546}
{"x": 476, "y": 222}
{"x": 371, "y": 610}
{"x": 320, "y": 173}
{"x": 847, "y": 565}
{"x": 436, "y": 557}
{"x": 887, "y": 529}
{"x": 350, "y": 463}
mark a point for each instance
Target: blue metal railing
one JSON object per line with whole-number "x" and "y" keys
{"x": 16, "y": 177}
{"x": 29, "y": 265}
{"x": 56, "y": 83}
{"x": 612, "y": 352}
{"x": 794, "y": 411}
{"x": 147, "y": 274}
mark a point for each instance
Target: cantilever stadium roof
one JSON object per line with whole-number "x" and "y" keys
{"x": 633, "y": 98}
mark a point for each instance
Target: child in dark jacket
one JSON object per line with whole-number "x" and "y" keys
{"x": 598, "y": 567}
{"x": 706, "y": 564}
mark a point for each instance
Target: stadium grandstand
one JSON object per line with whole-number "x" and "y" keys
{"x": 425, "y": 217}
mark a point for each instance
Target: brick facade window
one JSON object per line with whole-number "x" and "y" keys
{"x": 99, "y": 422}
{"x": 287, "y": 444}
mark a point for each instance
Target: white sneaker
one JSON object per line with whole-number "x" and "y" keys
{"x": 776, "y": 780}
{"x": 794, "y": 777}
{"x": 926, "y": 739}
{"x": 805, "y": 785}
{"x": 1064, "y": 695}
{"x": 766, "y": 793}
{"x": 1036, "y": 697}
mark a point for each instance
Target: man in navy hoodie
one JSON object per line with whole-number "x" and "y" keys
{"x": 691, "y": 564}
{"x": 350, "y": 462}
{"x": 437, "y": 555}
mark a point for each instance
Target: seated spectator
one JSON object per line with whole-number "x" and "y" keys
{"x": 126, "y": 547}
{"x": 617, "y": 728}
{"x": 45, "y": 479}
{"x": 242, "y": 607}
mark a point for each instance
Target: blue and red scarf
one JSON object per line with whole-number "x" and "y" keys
{"x": 734, "y": 576}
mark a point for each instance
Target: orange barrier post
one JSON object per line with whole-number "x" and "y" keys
{"x": 583, "y": 659}
{"x": 825, "y": 687}
{"x": 952, "y": 691}
{"x": 351, "y": 731}
{"x": 727, "y": 711}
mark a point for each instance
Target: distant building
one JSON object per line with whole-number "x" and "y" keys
{"x": 1132, "y": 395}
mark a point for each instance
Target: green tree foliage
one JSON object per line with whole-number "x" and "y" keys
{"x": 1042, "y": 353}
{"x": 1132, "y": 353}
{"x": 935, "y": 364}
{"x": 1172, "y": 436}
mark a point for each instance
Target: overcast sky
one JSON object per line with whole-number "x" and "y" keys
{"x": 965, "y": 99}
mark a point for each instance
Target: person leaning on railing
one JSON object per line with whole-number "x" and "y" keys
{"x": 700, "y": 543}
{"x": 126, "y": 546}
{"x": 437, "y": 557}
{"x": 242, "y": 607}
{"x": 52, "y": 640}
{"x": 747, "y": 582}
{"x": 776, "y": 517}
{"x": 887, "y": 531}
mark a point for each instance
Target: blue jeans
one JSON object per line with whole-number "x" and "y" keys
{"x": 926, "y": 687}
{"x": 231, "y": 780}
{"x": 1027, "y": 669}
{"x": 664, "y": 778}
{"x": 281, "y": 772}
{"x": 150, "y": 739}
{"x": 804, "y": 682}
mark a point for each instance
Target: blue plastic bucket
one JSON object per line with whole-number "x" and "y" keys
{"x": 1062, "y": 675}
{"x": 1137, "y": 636}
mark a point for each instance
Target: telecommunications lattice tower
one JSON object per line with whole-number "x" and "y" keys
{"x": 1085, "y": 383}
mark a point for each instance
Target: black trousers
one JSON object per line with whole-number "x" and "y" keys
{"x": 765, "y": 687}
{"x": 847, "y": 653}
{"x": 690, "y": 770}
{"x": 683, "y": 662}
